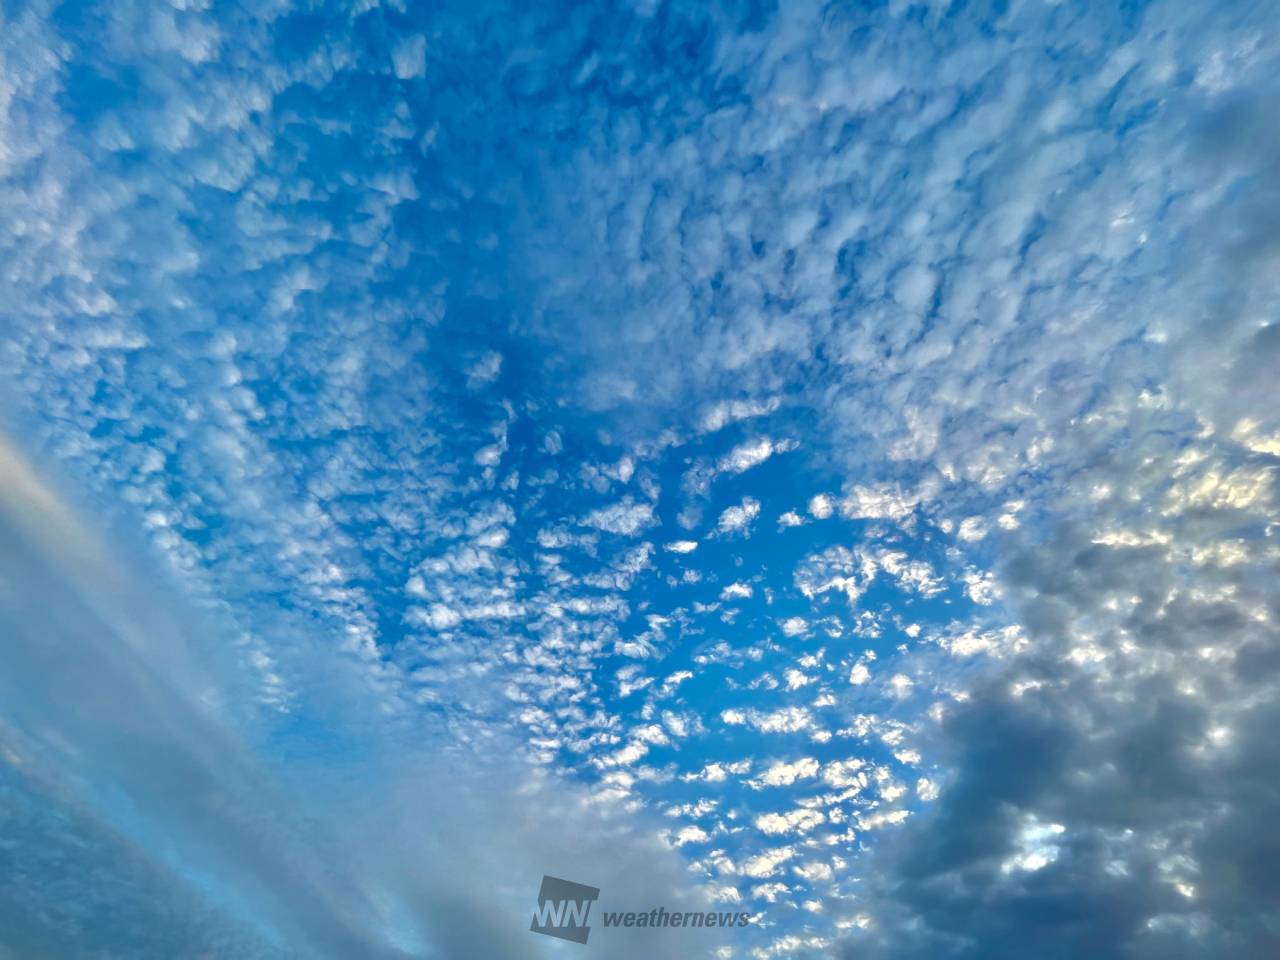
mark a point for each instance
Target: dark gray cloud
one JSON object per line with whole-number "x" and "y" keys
{"x": 1136, "y": 722}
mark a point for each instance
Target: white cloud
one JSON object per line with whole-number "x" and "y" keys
{"x": 720, "y": 415}
{"x": 900, "y": 685}
{"x": 814, "y": 871}
{"x": 690, "y": 834}
{"x": 409, "y": 57}
{"x": 485, "y": 370}
{"x": 783, "y": 720}
{"x": 800, "y": 820}
{"x": 795, "y": 679}
{"x": 766, "y": 864}
{"x": 769, "y": 892}
{"x": 794, "y": 626}
{"x": 753, "y": 453}
{"x": 719, "y": 772}
{"x": 738, "y": 518}
{"x": 783, "y": 774}
{"x": 881, "y": 502}
{"x": 626, "y": 518}
{"x": 821, "y": 507}
{"x": 845, "y": 773}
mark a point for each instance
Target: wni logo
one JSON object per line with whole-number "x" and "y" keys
{"x": 563, "y": 907}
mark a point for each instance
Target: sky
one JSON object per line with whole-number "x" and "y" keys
{"x": 817, "y": 461}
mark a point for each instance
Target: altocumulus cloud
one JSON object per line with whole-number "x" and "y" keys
{"x": 378, "y": 343}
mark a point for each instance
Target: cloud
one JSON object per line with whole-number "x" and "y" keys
{"x": 626, "y": 518}
{"x": 717, "y": 416}
{"x": 1026, "y": 817}
{"x": 257, "y": 270}
{"x": 738, "y": 519}
{"x": 485, "y": 370}
{"x": 768, "y": 863}
{"x": 409, "y": 57}
{"x": 783, "y": 720}
{"x": 821, "y": 507}
{"x": 152, "y": 777}
{"x": 783, "y": 774}
{"x": 753, "y": 453}
{"x": 793, "y": 821}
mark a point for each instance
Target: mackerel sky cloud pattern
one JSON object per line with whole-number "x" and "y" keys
{"x": 810, "y": 460}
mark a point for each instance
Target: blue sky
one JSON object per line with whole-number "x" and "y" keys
{"x": 812, "y": 460}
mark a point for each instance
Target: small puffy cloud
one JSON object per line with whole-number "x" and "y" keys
{"x": 626, "y": 518}
{"x": 768, "y": 863}
{"x": 681, "y": 546}
{"x": 718, "y": 772}
{"x": 881, "y": 502}
{"x": 875, "y": 821}
{"x": 719, "y": 415}
{"x": 736, "y": 591}
{"x": 485, "y": 370}
{"x": 915, "y": 575}
{"x": 784, "y": 774}
{"x": 821, "y": 507}
{"x": 784, "y": 720}
{"x": 624, "y": 756}
{"x": 845, "y": 773}
{"x": 491, "y": 454}
{"x": 752, "y": 453}
{"x": 1037, "y": 847}
{"x": 980, "y": 587}
{"x": 672, "y": 682}
{"x": 814, "y": 871}
{"x": 689, "y": 834}
{"x": 650, "y": 733}
{"x": 795, "y": 679}
{"x": 769, "y": 892}
{"x": 409, "y": 57}
{"x": 739, "y": 518}
{"x": 623, "y": 470}
{"x": 900, "y": 685}
{"x": 794, "y": 626}
{"x": 800, "y": 820}
{"x": 679, "y": 724}
{"x": 699, "y": 808}
{"x": 438, "y": 616}
{"x": 630, "y": 679}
